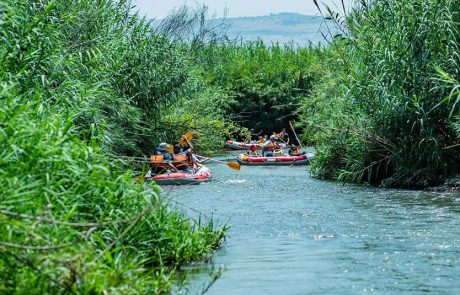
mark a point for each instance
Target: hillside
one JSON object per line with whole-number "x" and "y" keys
{"x": 283, "y": 28}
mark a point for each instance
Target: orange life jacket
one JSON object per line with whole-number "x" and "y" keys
{"x": 271, "y": 147}
{"x": 158, "y": 161}
{"x": 182, "y": 160}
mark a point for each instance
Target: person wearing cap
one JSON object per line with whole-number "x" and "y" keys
{"x": 270, "y": 146}
{"x": 162, "y": 149}
{"x": 252, "y": 152}
{"x": 185, "y": 160}
{"x": 161, "y": 160}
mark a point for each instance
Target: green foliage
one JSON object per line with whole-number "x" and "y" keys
{"x": 199, "y": 111}
{"x": 78, "y": 79}
{"x": 382, "y": 112}
{"x": 264, "y": 84}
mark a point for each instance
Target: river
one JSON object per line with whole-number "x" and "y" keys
{"x": 293, "y": 234}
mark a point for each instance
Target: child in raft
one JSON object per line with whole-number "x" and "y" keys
{"x": 295, "y": 151}
{"x": 252, "y": 152}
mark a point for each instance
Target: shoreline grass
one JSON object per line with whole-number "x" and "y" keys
{"x": 75, "y": 88}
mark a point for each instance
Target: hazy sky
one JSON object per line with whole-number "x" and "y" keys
{"x": 160, "y": 8}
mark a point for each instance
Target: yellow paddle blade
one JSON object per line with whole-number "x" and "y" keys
{"x": 234, "y": 165}
{"x": 189, "y": 137}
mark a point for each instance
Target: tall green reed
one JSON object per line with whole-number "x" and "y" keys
{"x": 377, "y": 116}
{"x": 72, "y": 219}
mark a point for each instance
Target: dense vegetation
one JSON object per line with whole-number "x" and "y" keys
{"x": 386, "y": 109}
{"x": 85, "y": 82}
{"x": 264, "y": 84}
{"x": 82, "y": 80}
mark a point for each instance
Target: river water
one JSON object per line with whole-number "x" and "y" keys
{"x": 293, "y": 234}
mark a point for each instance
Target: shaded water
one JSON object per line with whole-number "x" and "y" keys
{"x": 292, "y": 234}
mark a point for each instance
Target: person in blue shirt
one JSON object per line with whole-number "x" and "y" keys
{"x": 162, "y": 149}
{"x": 270, "y": 146}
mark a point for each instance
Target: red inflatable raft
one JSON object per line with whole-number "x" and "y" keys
{"x": 234, "y": 145}
{"x": 203, "y": 174}
{"x": 284, "y": 160}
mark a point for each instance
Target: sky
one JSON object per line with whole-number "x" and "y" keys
{"x": 161, "y": 8}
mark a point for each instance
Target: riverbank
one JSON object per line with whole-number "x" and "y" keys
{"x": 451, "y": 185}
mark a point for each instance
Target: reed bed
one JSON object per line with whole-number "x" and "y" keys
{"x": 80, "y": 79}
{"x": 385, "y": 112}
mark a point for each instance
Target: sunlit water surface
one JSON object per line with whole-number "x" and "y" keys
{"x": 292, "y": 234}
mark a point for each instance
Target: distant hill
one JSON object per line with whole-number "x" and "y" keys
{"x": 283, "y": 28}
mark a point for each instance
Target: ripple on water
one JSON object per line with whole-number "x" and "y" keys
{"x": 291, "y": 234}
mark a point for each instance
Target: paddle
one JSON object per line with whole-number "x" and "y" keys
{"x": 184, "y": 139}
{"x": 296, "y": 137}
{"x": 295, "y": 134}
{"x": 188, "y": 136}
{"x": 233, "y": 165}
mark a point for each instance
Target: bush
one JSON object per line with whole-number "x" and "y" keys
{"x": 380, "y": 113}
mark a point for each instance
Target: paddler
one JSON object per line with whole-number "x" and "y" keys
{"x": 295, "y": 151}
{"x": 183, "y": 160}
{"x": 252, "y": 152}
{"x": 270, "y": 146}
{"x": 162, "y": 150}
{"x": 190, "y": 161}
{"x": 283, "y": 136}
{"x": 260, "y": 141}
{"x": 160, "y": 162}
